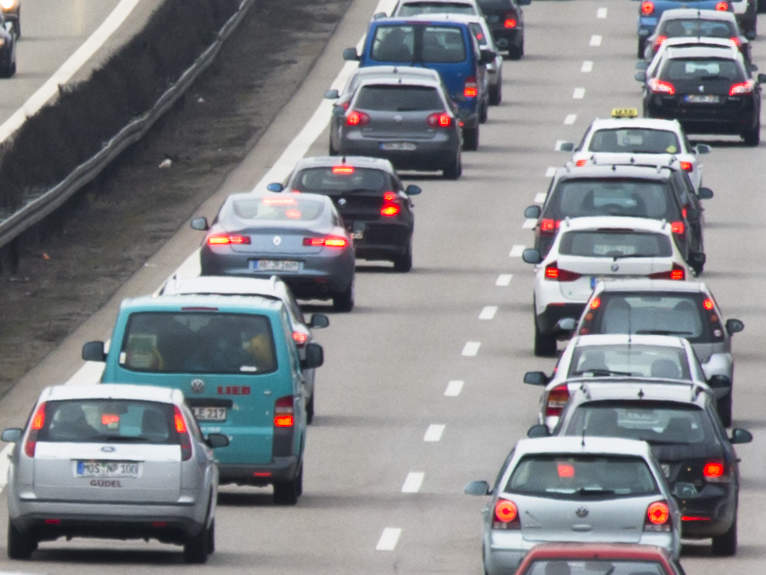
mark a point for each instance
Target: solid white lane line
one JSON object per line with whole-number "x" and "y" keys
{"x": 587, "y": 67}
{"x": 454, "y": 388}
{"x": 471, "y": 348}
{"x": 503, "y": 280}
{"x": 434, "y": 433}
{"x": 595, "y": 40}
{"x": 550, "y": 171}
{"x": 388, "y": 539}
{"x": 488, "y": 312}
{"x": 529, "y": 224}
{"x": 570, "y": 119}
{"x": 601, "y": 13}
{"x": 517, "y": 250}
{"x": 540, "y": 198}
{"x": 578, "y": 94}
{"x": 413, "y": 482}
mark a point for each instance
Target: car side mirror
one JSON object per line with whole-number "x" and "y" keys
{"x": 703, "y": 149}
{"x": 719, "y": 381}
{"x": 640, "y": 76}
{"x": 318, "y": 321}
{"x": 477, "y": 488}
{"x": 275, "y": 187}
{"x": 761, "y": 78}
{"x": 200, "y": 224}
{"x": 566, "y": 146}
{"x": 314, "y": 356}
{"x": 379, "y": 15}
{"x": 642, "y": 65}
{"x": 531, "y": 256}
{"x": 532, "y": 212}
{"x": 350, "y": 55}
{"x": 487, "y": 57}
{"x": 215, "y": 440}
{"x": 538, "y": 430}
{"x": 536, "y": 378}
{"x": 332, "y": 94}
{"x": 11, "y": 434}
{"x": 734, "y": 326}
{"x": 93, "y": 351}
{"x": 705, "y": 193}
{"x": 566, "y": 324}
{"x": 738, "y": 435}
{"x": 412, "y": 190}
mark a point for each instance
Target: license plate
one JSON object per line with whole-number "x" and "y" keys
{"x": 209, "y": 413}
{"x": 492, "y": 18}
{"x": 275, "y": 265}
{"x": 107, "y": 469}
{"x": 701, "y": 98}
{"x": 398, "y": 146}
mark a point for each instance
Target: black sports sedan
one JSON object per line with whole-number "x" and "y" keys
{"x": 299, "y": 237}
{"x": 372, "y": 200}
{"x": 710, "y": 91}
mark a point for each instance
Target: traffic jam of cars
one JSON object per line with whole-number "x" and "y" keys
{"x": 633, "y": 446}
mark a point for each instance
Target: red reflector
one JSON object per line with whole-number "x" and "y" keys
{"x": 354, "y": 118}
{"x": 343, "y": 170}
{"x": 549, "y": 225}
{"x": 510, "y": 23}
{"x": 677, "y": 227}
{"x": 722, "y": 6}
{"x": 647, "y": 7}
{"x": 390, "y": 210}
{"x": 506, "y": 511}
{"x": 110, "y": 419}
{"x": 708, "y": 304}
{"x": 299, "y": 337}
{"x": 694, "y": 518}
{"x": 713, "y": 470}
{"x": 565, "y": 470}
{"x": 595, "y": 303}
{"x": 658, "y": 513}
{"x": 686, "y": 166}
{"x": 261, "y": 473}
{"x": 53, "y": 521}
{"x": 580, "y": 163}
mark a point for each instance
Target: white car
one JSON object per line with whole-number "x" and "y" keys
{"x": 627, "y": 139}
{"x": 405, "y": 8}
{"x": 618, "y": 357}
{"x": 587, "y": 250}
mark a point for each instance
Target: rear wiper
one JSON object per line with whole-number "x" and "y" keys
{"x": 594, "y": 491}
{"x": 125, "y": 438}
{"x": 713, "y": 77}
{"x": 622, "y": 255}
{"x": 602, "y": 372}
{"x": 661, "y": 332}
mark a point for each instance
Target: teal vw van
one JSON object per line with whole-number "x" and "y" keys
{"x": 236, "y": 362}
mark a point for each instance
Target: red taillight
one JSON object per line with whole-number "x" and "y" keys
{"x": 722, "y": 6}
{"x": 354, "y": 118}
{"x": 708, "y": 304}
{"x": 471, "y": 88}
{"x": 553, "y": 272}
{"x": 227, "y": 239}
{"x": 737, "y": 41}
{"x": 580, "y": 163}
{"x": 675, "y": 273}
{"x": 658, "y": 42}
{"x": 595, "y": 303}
{"x": 678, "y": 227}
{"x": 742, "y": 88}
{"x": 658, "y": 86}
{"x": 343, "y": 170}
{"x": 440, "y": 120}
{"x": 390, "y": 210}
{"x": 183, "y": 433}
{"x": 510, "y": 22}
{"x": 715, "y": 472}
{"x": 557, "y": 399}
{"x": 657, "y": 516}
{"x": 506, "y": 515}
{"x": 300, "y": 337}
{"x": 647, "y": 7}
{"x": 284, "y": 412}
{"x": 686, "y": 167}
{"x": 38, "y": 420}
{"x": 549, "y": 226}
{"x": 328, "y": 242}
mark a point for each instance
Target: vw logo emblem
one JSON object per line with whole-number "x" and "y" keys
{"x": 581, "y": 512}
{"x": 107, "y": 449}
{"x": 342, "y": 202}
{"x": 197, "y": 385}
{"x": 615, "y": 267}
{"x": 276, "y": 241}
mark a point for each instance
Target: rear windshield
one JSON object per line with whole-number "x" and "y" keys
{"x": 198, "y": 342}
{"x": 695, "y": 27}
{"x": 668, "y": 313}
{"x": 615, "y": 244}
{"x": 634, "y": 141}
{"x": 281, "y": 208}
{"x": 340, "y": 179}
{"x": 618, "y": 197}
{"x": 701, "y": 69}
{"x": 491, "y": 5}
{"x": 655, "y": 422}
{"x": 413, "y": 8}
{"x": 594, "y": 567}
{"x": 87, "y": 420}
{"x": 437, "y": 44}
{"x": 392, "y": 98}
{"x": 582, "y": 475}
{"x": 638, "y": 360}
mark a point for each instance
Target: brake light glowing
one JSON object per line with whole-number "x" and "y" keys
{"x": 510, "y": 23}
{"x": 506, "y": 515}
{"x": 390, "y": 210}
{"x": 300, "y": 337}
{"x": 647, "y": 7}
{"x": 549, "y": 225}
{"x": 227, "y": 239}
{"x": 694, "y": 518}
{"x": 354, "y": 118}
{"x": 678, "y": 227}
{"x": 580, "y": 163}
{"x": 722, "y": 6}
{"x": 708, "y": 304}
{"x": 658, "y": 86}
{"x": 284, "y": 412}
{"x": 38, "y": 420}
{"x": 595, "y": 303}
{"x": 343, "y": 170}
{"x": 675, "y": 273}
{"x": 557, "y": 399}
{"x": 686, "y": 167}
{"x": 110, "y": 419}
{"x": 553, "y": 272}
{"x": 737, "y": 41}
{"x": 713, "y": 470}
{"x": 657, "y": 515}
{"x": 742, "y": 88}
{"x": 565, "y": 470}
{"x": 178, "y": 421}
{"x": 439, "y": 120}
{"x": 658, "y": 42}
{"x": 471, "y": 88}
{"x": 389, "y": 196}
{"x": 328, "y": 242}
{"x": 183, "y": 433}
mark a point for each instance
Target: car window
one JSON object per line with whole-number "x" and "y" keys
{"x": 701, "y": 69}
{"x": 568, "y": 475}
{"x": 495, "y": 5}
{"x": 393, "y": 98}
{"x": 634, "y": 141}
{"x": 601, "y": 197}
{"x": 339, "y": 179}
{"x": 198, "y": 342}
{"x": 594, "y": 567}
{"x": 443, "y": 44}
{"x": 84, "y": 420}
{"x": 655, "y": 422}
{"x": 614, "y": 244}
{"x": 283, "y": 208}
{"x": 639, "y": 360}
{"x": 413, "y": 8}
{"x": 393, "y": 44}
{"x": 696, "y": 27}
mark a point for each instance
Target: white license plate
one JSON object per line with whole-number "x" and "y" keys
{"x": 398, "y": 146}
{"x": 209, "y": 413}
{"x": 107, "y": 469}
{"x": 701, "y": 98}
{"x": 275, "y": 265}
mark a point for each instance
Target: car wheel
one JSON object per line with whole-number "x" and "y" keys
{"x": 455, "y": 169}
{"x": 515, "y": 52}
{"x": 545, "y": 345}
{"x": 211, "y": 538}
{"x": 344, "y": 301}
{"x": 287, "y": 492}
{"x": 197, "y": 548}
{"x": 403, "y": 263}
{"x": 310, "y": 410}
{"x": 753, "y": 137}
{"x": 723, "y": 406}
{"x": 726, "y": 545}
{"x": 20, "y": 545}
{"x": 483, "y": 112}
{"x": 496, "y": 93}
{"x": 471, "y": 138}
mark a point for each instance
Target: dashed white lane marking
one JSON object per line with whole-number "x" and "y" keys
{"x": 488, "y": 312}
{"x": 559, "y": 143}
{"x": 471, "y": 348}
{"x": 434, "y": 433}
{"x": 413, "y": 482}
{"x": 517, "y": 250}
{"x": 578, "y": 94}
{"x": 388, "y": 539}
{"x": 587, "y": 67}
{"x": 540, "y": 198}
{"x": 503, "y": 280}
{"x": 529, "y": 224}
{"x": 595, "y": 40}
{"x": 570, "y": 119}
{"x": 601, "y": 13}
{"x": 454, "y": 388}
{"x": 550, "y": 171}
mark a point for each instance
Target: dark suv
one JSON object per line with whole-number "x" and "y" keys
{"x": 659, "y": 193}
{"x": 506, "y": 22}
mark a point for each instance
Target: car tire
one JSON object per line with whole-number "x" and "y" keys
{"x": 516, "y": 52}
{"x": 403, "y": 263}
{"x": 455, "y": 169}
{"x": 471, "y": 138}
{"x": 726, "y": 545}
{"x": 20, "y": 544}
{"x": 310, "y": 410}
{"x": 211, "y": 538}
{"x": 545, "y": 345}
{"x": 344, "y": 301}
{"x": 287, "y": 492}
{"x": 483, "y": 112}
{"x": 197, "y": 548}
{"x": 723, "y": 406}
{"x": 753, "y": 136}
{"x": 496, "y": 93}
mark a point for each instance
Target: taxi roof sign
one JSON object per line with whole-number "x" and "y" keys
{"x": 624, "y": 112}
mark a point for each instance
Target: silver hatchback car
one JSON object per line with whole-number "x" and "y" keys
{"x": 114, "y": 461}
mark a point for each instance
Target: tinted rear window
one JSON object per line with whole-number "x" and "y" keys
{"x": 701, "y": 70}
{"x": 394, "y": 44}
{"x": 490, "y": 5}
{"x": 284, "y": 208}
{"x": 435, "y": 44}
{"x": 694, "y": 27}
{"x": 634, "y": 141}
{"x": 443, "y": 44}
{"x": 198, "y": 342}
{"x": 413, "y": 8}
{"x": 615, "y": 244}
{"x": 636, "y": 359}
{"x": 594, "y": 567}
{"x": 603, "y": 197}
{"x": 398, "y": 98}
{"x": 331, "y": 179}
{"x": 582, "y": 475}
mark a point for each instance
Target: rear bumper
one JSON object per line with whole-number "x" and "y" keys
{"x": 506, "y": 37}
{"x": 720, "y": 508}
{"x": 733, "y": 117}
{"x": 281, "y": 469}
{"x": 436, "y": 154}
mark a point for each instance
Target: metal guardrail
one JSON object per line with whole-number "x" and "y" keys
{"x": 44, "y": 205}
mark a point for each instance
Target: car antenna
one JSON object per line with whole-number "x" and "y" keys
{"x": 582, "y": 439}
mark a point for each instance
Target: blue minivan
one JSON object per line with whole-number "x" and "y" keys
{"x": 236, "y": 362}
{"x": 443, "y": 43}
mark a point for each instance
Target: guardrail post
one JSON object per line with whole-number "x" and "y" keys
{"x": 9, "y": 258}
